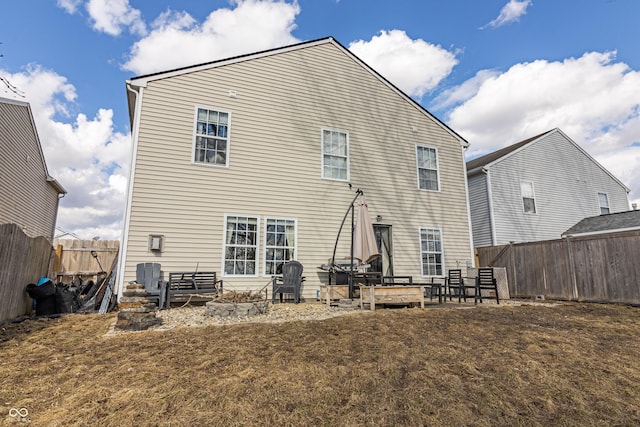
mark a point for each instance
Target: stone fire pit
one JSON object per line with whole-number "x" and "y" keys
{"x": 235, "y": 305}
{"x": 235, "y": 309}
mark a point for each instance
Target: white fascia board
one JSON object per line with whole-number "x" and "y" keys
{"x": 595, "y": 233}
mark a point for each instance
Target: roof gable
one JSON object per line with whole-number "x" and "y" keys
{"x": 497, "y": 155}
{"x": 476, "y": 165}
{"x": 30, "y": 123}
{"x": 141, "y": 81}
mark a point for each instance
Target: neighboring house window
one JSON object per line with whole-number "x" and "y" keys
{"x": 427, "y": 161}
{"x": 603, "y": 201}
{"x": 528, "y": 197}
{"x": 212, "y": 137}
{"x": 280, "y": 243}
{"x": 335, "y": 155}
{"x": 240, "y": 246}
{"x": 431, "y": 251}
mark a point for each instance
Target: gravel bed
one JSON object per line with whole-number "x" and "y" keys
{"x": 191, "y": 316}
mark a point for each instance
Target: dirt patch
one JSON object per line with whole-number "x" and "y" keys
{"x": 571, "y": 364}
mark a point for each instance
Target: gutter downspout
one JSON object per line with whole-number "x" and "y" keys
{"x": 127, "y": 210}
{"x": 492, "y": 218}
{"x": 466, "y": 190}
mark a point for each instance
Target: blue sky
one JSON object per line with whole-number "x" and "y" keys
{"x": 496, "y": 71}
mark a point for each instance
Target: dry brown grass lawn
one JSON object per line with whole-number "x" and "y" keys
{"x": 568, "y": 365}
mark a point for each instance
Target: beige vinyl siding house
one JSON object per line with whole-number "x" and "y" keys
{"x": 301, "y": 128}
{"x": 29, "y": 195}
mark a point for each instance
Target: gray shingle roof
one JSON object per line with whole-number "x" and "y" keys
{"x": 606, "y": 223}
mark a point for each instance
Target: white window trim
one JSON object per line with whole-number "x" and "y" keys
{"x": 264, "y": 242}
{"x": 437, "y": 168}
{"x": 322, "y": 154}
{"x": 194, "y": 134}
{"x": 420, "y": 229}
{"x": 600, "y": 206}
{"x": 535, "y": 199}
{"x": 224, "y": 244}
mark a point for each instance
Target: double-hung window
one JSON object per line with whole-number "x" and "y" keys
{"x": 603, "y": 202}
{"x": 335, "y": 155}
{"x": 211, "y": 144}
{"x": 241, "y": 246}
{"x": 528, "y": 197}
{"x": 280, "y": 244}
{"x": 431, "y": 255}
{"x": 427, "y": 163}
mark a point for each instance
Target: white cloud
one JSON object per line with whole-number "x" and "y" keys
{"x": 71, "y": 6}
{"x": 460, "y": 94}
{"x": 251, "y": 26}
{"x": 511, "y": 12}
{"x": 415, "y": 66}
{"x": 111, "y": 16}
{"x": 593, "y": 99}
{"x": 86, "y": 156}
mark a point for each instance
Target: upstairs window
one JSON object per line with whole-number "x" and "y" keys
{"x": 603, "y": 201}
{"x": 240, "y": 246}
{"x": 280, "y": 244}
{"x": 335, "y": 155}
{"x": 528, "y": 197}
{"x": 431, "y": 251}
{"x": 427, "y": 162}
{"x": 212, "y": 137}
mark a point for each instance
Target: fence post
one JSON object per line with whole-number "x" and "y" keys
{"x": 514, "y": 270}
{"x": 58, "y": 261}
{"x": 572, "y": 268}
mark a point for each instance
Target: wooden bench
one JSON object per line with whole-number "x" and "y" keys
{"x": 192, "y": 286}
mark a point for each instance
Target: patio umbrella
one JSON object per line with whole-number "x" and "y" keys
{"x": 365, "y": 248}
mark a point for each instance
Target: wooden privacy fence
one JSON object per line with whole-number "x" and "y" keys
{"x": 23, "y": 260}
{"x": 73, "y": 258}
{"x": 597, "y": 268}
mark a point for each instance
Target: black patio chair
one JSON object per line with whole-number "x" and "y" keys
{"x": 455, "y": 286}
{"x": 485, "y": 281}
{"x": 289, "y": 283}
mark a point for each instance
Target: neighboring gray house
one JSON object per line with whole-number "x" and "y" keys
{"x": 609, "y": 223}
{"x": 241, "y": 164}
{"x": 29, "y": 194}
{"x": 538, "y": 188}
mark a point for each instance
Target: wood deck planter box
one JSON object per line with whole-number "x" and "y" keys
{"x": 405, "y": 294}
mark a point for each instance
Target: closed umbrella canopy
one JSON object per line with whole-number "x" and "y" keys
{"x": 365, "y": 248}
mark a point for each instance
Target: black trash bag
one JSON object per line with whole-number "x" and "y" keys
{"x": 45, "y": 296}
{"x": 67, "y": 299}
{"x": 46, "y": 289}
{"x": 46, "y": 306}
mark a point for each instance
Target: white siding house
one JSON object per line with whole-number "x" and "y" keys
{"x": 538, "y": 188}
{"x": 241, "y": 164}
{"x": 29, "y": 194}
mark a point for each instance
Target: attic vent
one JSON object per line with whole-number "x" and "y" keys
{"x": 155, "y": 242}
